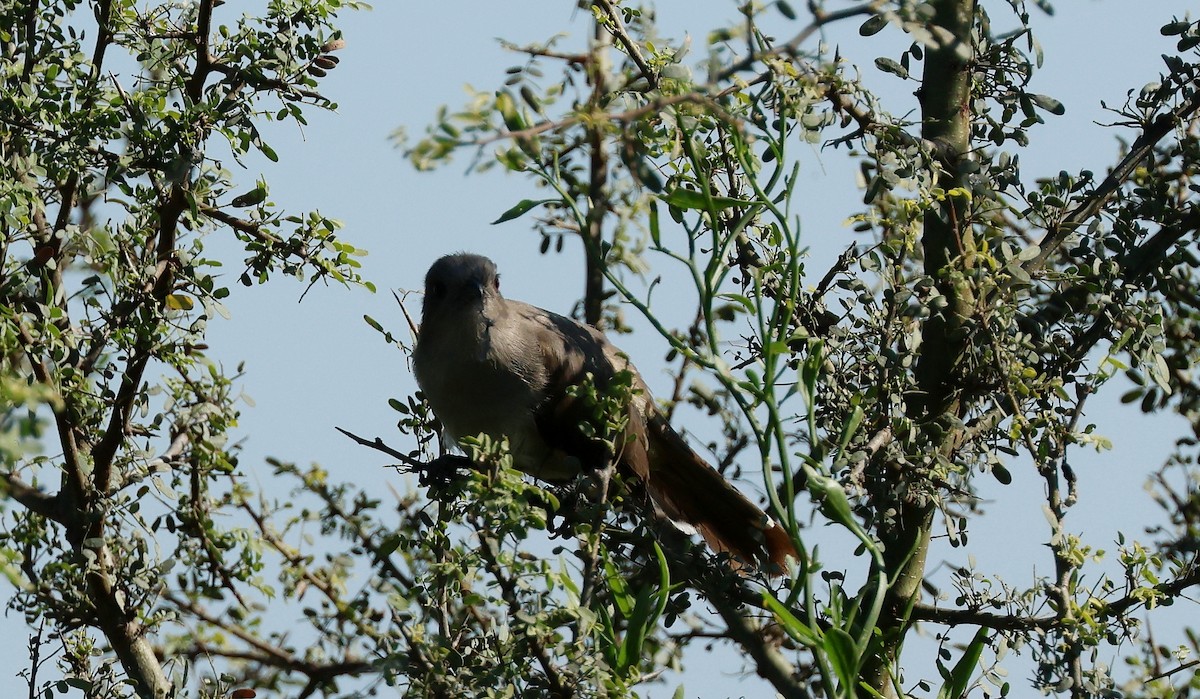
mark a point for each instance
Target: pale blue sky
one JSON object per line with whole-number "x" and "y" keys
{"x": 316, "y": 364}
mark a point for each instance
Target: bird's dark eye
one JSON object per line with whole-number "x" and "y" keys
{"x": 437, "y": 289}
{"x": 496, "y": 282}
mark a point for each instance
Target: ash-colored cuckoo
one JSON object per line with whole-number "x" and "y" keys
{"x": 491, "y": 365}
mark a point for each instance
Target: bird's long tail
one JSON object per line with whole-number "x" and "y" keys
{"x": 691, "y": 492}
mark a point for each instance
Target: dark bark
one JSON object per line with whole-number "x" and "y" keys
{"x": 946, "y": 243}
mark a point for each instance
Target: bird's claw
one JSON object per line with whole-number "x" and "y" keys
{"x": 443, "y": 470}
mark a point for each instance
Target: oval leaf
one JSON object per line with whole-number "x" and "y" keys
{"x": 1049, "y": 104}
{"x": 873, "y": 26}
{"x": 520, "y": 209}
{"x": 887, "y": 65}
{"x": 179, "y": 302}
{"x": 254, "y": 196}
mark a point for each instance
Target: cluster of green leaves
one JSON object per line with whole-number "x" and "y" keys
{"x": 116, "y": 119}
{"x": 523, "y": 624}
{"x": 454, "y": 601}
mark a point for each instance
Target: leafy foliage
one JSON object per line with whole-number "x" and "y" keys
{"x": 116, "y": 119}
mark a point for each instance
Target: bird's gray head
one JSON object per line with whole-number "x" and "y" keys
{"x": 460, "y": 282}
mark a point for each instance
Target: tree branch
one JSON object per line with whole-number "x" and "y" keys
{"x": 617, "y": 28}
{"x": 378, "y": 445}
{"x": 974, "y": 617}
{"x": 44, "y": 504}
{"x": 1013, "y": 622}
{"x": 1141, "y": 149}
{"x": 769, "y": 663}
{"x": 792, "y": 47}
{"x": 73, "y": 480}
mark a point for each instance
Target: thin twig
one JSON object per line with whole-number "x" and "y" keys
{"x": 378, "y": 445}
{"x": 1010, "y": 622}
{"x": 1168, "y": 673}
{"x": 618, "y": 30}
{"x": 591, "y": 561}
{"x": 622, "y": 117}
{"x": 74, "y": 483}
{"x": 414, "y": 328}
{"x": 820, "y": 19}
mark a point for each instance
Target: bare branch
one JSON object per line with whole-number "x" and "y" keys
{"x": 44, "y": 504}
{"x": 1014, "y": 622}
{"x": 310, "y": 577}
{"x": 769, "y": 663}
{"x": 173, "y": 451}
{"x": 73, "y": 479}
{"x": 1172, "y": 671}
{"x": 266, "y": 652}
{"x": 105, "y": 451}
{"x": 621, "y": 117}
{"x": 378, "y": 445}
{"x": 972, "y": 617}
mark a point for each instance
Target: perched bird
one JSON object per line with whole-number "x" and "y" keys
{"x": 490, "y": 365}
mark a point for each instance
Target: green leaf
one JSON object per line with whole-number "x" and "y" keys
{"x": 1049, "y": 104}
{"x": 872, "y": 26}
{"x": 523, "y": 207}
{"x": 655, "y": 231}
{"x": 161, "y": 486}
{"x": 887, "y": 65}
{"x": 619, "y": 590}
{"x": 664, "y": 579}
{"x": 179, "y": 302}
{"x": 389, "y": 545}
{"x": 373, "y": 323}
{"x": 831, "y": 498}
{"x": 688, "y": 199}
{"x": 843, "y": 656}
{"x": 11, "y": 570}
{"x": 640, "y": 623}
{"x": 255, "y": 196}
{"x": 1188, "y": 42}
{"x": 798, "y": 630}
{"x": 739, "y": 299}
{"x": 1028, "y": 253}
{"x": 1174, "y": 28}
{"x": 960, "y": 677}
{"x": 507, "y": 106}
{"x": 850, "y": 427}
